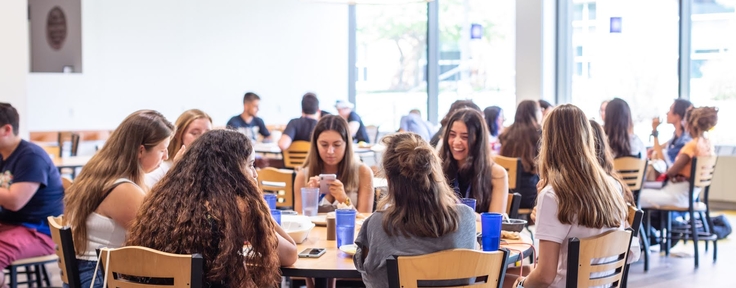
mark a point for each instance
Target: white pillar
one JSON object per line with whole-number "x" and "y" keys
{"x": 14, "y": 57}
{"x": 535, "y": 50}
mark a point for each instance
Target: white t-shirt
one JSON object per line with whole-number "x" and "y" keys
{"x": 549, "y": 228}
{"x": 156, "y": 175}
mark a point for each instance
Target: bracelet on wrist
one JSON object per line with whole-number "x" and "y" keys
{"x": 655, "y": 133}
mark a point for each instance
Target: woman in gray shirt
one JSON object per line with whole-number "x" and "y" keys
{"x": 420, "y": 214}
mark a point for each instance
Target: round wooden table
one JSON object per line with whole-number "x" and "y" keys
{"x": 337, "y": 264}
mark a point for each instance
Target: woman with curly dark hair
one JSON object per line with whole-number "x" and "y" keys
{"x": 209, "y": 204}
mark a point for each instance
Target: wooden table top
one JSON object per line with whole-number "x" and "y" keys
{"x": 337, "y": 264}
{"x": 71, "y": 162}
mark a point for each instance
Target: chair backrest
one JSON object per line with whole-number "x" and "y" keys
{"x": 512, "y": 166}
{"x": 296, "y": 155}
{"x": 53, "y": 151}
{"x": 631, "y": 170}
{"x": 634, "y": 218}
{"x": 512, "y": 206}
{"x": 66, "y": 183}
{"x": 279, "y": 182}
{"x": 62, "y": 236}
{"x": 75, "y": 144}
{"x": 610, "y": 245}
{"x": 702, "y": 171}
{"x": 406, "y": 271}
{"x": 138, "y": 264}
{"x": 372, "y": 131}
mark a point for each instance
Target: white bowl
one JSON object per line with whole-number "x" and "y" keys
{"x": 298, "y": 227}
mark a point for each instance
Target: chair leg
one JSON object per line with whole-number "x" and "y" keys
{"x": 667, "y": 236}
{"x": 29, "y": 276}
{"x": 13, "y": 277}
{"x": 37, "y": 270}
{"x": 715, "y": 250}
{"x": 644, "y": 239}
{"x": 694, "y": 233}
{"x": 46, "y": 278}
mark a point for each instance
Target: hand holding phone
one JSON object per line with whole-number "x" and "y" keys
{"x": 324, "y": 182}
{"x": 312, "y": 253}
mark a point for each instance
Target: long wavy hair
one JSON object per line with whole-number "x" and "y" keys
{"x": 419, "y": 201}
{"x": 347, "y": 170}
{"x": 605, "y": 158}
{"x": 491, "y": 114}
{"x": 477, "y": 166}
{"x": 117, "y": 159}
{"x": 208, "y": 204}
{"x": 182, "y": 123}
{"x": 568, "y": 163}
{"x": 618, "y": 127}
{"x": 522, "y": 137}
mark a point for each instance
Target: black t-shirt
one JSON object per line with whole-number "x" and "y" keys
{"x": 256, "y": 125}
{"x": 300, "y": 129}
{"x": 30, "y": 163}
{"x": 362, "y": 134}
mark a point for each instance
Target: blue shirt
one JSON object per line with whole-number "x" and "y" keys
{"x": 256, "y": 126}
{"x": 30, "y": 163}
{"x": 675, "y": 144}
{"x": 414, "y": 123}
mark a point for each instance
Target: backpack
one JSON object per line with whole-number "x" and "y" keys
{"x": 721, "y": 226}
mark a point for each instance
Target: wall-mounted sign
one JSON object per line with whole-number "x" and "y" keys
{"x": 616, "y": 24}
{"x": 56, "y": 28}
{"x": 476, "y": 31}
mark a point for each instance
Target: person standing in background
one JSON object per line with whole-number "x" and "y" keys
{"x": 357, "y": 129}
{"x": 247, "y": 122}
{"x": 416, "y": 124}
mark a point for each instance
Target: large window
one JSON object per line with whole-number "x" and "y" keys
{"x": 391, "y": 61}
{"x": 626, "y": 49}
{"x": 713, "y": 63}
{"x": 477, "y": 48}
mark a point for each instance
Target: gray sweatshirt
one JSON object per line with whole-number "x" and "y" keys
{"x": 381, "y": 246}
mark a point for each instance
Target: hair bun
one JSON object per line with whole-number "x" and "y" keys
{"x": 417, "y": 162}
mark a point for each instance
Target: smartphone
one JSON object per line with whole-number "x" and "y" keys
{"x": 324, "y": 182}
{"x": 312, "y": 253}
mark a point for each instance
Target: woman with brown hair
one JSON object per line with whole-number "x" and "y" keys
{"x": 619, "y": 128}
{"x": 331, "y": 152}
{"x": 467, "y": 163}
{"x": 218, "y": 208}
{"x": 605, "y": 158}
{"x": 522, "y": 138}
{"x": 457, "y": 105}
{"x": 578, "y": 198}
{"x": 419, "y": 215}
{"x": 189, "y": 126}
{"x": 697, "y": 122}
{"x": 106, "y": 195}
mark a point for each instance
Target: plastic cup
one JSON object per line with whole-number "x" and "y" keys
{"x": 310, "y": 201}
{"x": 271, "y": 200}
{"x": 469, "y": 201}
{"x": 491, "y": 230}
{"x": 345, "y": 226}
{"x": 276, "y": 214}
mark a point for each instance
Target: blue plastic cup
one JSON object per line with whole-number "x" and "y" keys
{"x": 469, "y": 201}
{"x": 345, "y": 226}
{"x": 491, "y": 230}
{"x": 276, "y": 214}
{"x": 271, "y": 200}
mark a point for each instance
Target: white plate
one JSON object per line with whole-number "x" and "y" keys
{"x": 349, "y": 249}
{"x": 319, "y": 220}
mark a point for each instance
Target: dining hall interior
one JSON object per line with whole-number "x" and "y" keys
{"x": 367, "y": 143}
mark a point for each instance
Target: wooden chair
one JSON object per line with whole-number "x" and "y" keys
{"x": 580, "y": 252}
{"x": 139, "y": 264}
{"x": 296, "y": 155}
{"x": 279, "y": 182}
{"x": 62, "y": 236}
{"x": 632, "y": 171}
{"x": 53, "y": 151}
{"x": 407, "y": 271}
{"x": 513, "y": 167}
{"x": 512, "y": 208}
{"x": 34, "y": 269}
{"x": 634, "y": 218}
{"x": 701, "y": 177}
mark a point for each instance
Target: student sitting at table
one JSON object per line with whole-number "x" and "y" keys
{"x": 247, "y": 122}
{"x": 578, "y": 198}
{"x": 521, "y": 140}
{"x": 30, "y": 191}
{"x": 676, "y": 117}
{"x": 494, "y": 119}
{"x": 189, "y": 126}
{"x": 300, "y": 129}
{"x": 413, "y": 122}
{"x": 620, "y": 131}
{"x": 698, "y": 122}
{"x": 357, "y": 129}
{"x": 457, "y": 105}
{"x": 605, "y": 159}
{"x": 219, "y": 207}
{"x": 419, "y": 215}
{"x": 331, "y": 152}
{"x": 467, "y": 163}
{"x": 106, "y": 195}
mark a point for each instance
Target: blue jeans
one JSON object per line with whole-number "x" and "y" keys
{"x": 86, "y": 270}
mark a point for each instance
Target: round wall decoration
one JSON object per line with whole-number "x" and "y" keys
{"x": 56, "y": 28}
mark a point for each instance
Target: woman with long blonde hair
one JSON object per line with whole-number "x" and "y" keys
{"x": 106, "y": 195}
{"x": 218, "y": 208}
{"x": 578, "y": 198}
{"x": 189, "y": 126}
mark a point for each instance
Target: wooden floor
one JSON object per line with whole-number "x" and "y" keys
{"x": 672, "y": 272}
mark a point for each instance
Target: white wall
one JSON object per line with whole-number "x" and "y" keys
{"x": 14, "y": 57}
{"x": 173, "y": 55}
